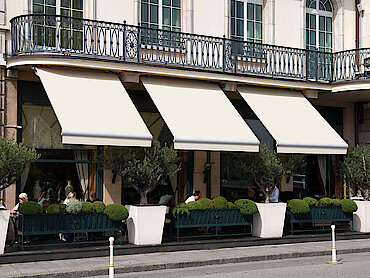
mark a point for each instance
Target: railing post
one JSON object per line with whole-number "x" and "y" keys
{"x": 111, "y": 266}
{"x": 124, "y": 40}
{"x": 138, "y": 42}
{"x": 223, "y": 53}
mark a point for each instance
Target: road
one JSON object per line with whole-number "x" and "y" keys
{"x": 354, "y": 265}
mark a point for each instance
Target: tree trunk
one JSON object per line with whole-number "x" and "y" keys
{"x": 143, "y": 198}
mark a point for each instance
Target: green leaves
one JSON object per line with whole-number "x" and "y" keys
{"x": 13, "y": 159}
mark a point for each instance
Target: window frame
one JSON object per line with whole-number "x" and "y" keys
{"x": 245, "y": 36}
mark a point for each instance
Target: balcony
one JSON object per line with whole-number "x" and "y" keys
{"x": 84, "y": 38}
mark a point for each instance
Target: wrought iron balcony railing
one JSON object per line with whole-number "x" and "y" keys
{"x": 123, "y": 42}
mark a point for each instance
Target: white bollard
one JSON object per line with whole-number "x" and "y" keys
{"x": 333, "y": 248}
{"x": 111, "y": 266}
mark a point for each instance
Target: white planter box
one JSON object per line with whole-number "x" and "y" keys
{"x": 4, "y": 220}
{"x": 361, "y": 221}
{"x": 145, "y": 224}
{"x": 269, "y": 221}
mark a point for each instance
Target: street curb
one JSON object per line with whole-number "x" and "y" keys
{"x": 185, "y": 264}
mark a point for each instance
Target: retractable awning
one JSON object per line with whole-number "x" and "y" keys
{"x": 93, "y": 108}
{"x": 294, "y": 123}
{"x": 200, "y": 116}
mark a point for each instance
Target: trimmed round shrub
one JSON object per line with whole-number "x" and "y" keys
{"x": 88, "y": 207}
{"x": 194, "y": 205}
{"x": 116, "y": 212}
{"x": 180, "y": 209}
{"x": 74, "y": 207}
{"x": 206, "y": 203}
{"x": 219, "y": 202}
{"x": 246, "y": 206}
{"x": 231, "y": 205}
{"x": 348, "y": 205}
{"x": 311, "y": 201}
{"x": 30, "y": 207}
{"x": 53, "y": 209}
{"x": 336, "y": 202}
{"x": 325, "y": 202}
{"x": 298, "y": 206}
{"x": 99, "y": 206}
{"x": 63, "y": 208}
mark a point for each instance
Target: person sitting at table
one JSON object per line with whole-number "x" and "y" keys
{"x": 22, "y": 198}
{"x": 194, "y": 197}
{"x": 71, "y": 196}
{"x": 92, "y": 198}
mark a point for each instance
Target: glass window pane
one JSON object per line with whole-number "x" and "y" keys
{"x": 328, "y": 41}
{"x": 38, "y": 1}
{"x": 239, "y": 9}
{"x": 66, "y": 3}
{"x": 154, "y": 1}
{"x": 37, "y": 9}
{"x": 307, "y": 21}
{"x": 232, "y": 27}
{"x": 176, "y": 17}
{"x": 250, "y": 29}
{"x": 328, "y": 7}
{"x": 77, "y": 14}
{"x": 240, "y": 28}
{"x": 166, "y": 17}
{"x": 144, "y": 1}
{"x": 312, "y": 40}
{"x": 258, "y": 31}
{"x": 65, "y": 12}
{"x": 166, "y": 2}
{"x": 50, "y": 2}
{"x": 77, "y": 4}
{"x": 307, "y": 38}
{"x": 153, "y": 14}
{"x": 312, "y": 4}
{"x": 321, "y": 39}
{"x": 312, "y": 22}
{"x": 250, "y": 11}
{"x": 328, "y": 24}
{"x": 176, "y": 3}
{"x": 232, "y": 8}
{"x": 322, "y": 23}
{"x": 50, "y": 10}
{"x": 144, "y": 13}
{"x": 321, "y": 7}
{"x": 258, "y": 12}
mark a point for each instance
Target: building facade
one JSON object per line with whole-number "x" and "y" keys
{"x": 212, "y": 78}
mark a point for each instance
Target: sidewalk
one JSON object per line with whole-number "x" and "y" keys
{"x": 169, "y": 260}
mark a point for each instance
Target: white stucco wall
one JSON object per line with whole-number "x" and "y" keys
{"x": 209, "y": 17}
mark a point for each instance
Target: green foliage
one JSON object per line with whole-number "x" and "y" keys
{"x": 194, "y": 205}
{"x": 293, "y": 164}
{"x": 246, "y": 206}
{"x": 348, "y": 205}
{"x": 265, "y": 168}
{"x": 143, "y": 169}
{"x": 356, "y": 168}
{"x": 30, "y": 207}
{"x": 13, "y": 159}
{"x": 116, "y": 212}
{"x": 53, "y": 209}
{"x": 99, "y": 206}
{"x": 298, "y": 206}
{"x": 231, "y": 205}
{"x": 88, "y": 207}
{"x": 206, "y": 203}
{"x": 311, "y": 201}
{"x": 63, "y": 208}
{"x": 336, "y": 202}
{"x": 180, "y": 209}
{"x": 74, "y": 207}
{"x": 219, "y": 202}
{"x": 326, "y": 202}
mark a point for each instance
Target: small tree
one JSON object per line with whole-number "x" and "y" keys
{"x": 143, "y": 170}
{"x": 13, "y": 159}
{"x": 356, "y": 168}
{"x": 265, "y": 168}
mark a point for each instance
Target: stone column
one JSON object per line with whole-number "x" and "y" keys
{"x": 112, "y": 192}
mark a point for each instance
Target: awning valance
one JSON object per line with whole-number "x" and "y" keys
{"x": 294, "y": 123}
{"x": 94, "y": 108}
{"x": 200, "y": 116}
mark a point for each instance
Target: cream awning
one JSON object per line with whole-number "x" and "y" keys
{"x": 94, "y": 108}
{"x": 294, "y": 123}
{"x": 200, "y": 116}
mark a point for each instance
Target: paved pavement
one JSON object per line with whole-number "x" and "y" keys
{"x": 88, "y": 267}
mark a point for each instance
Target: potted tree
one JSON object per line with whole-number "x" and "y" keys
{"x": 267, "y": 171}
{"x": 13, "y": 160}
{"x": 144, "y": 171}
{"x": 356, "y": 170}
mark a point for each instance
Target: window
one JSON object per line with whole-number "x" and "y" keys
{"x": 319, "y": 23}
{"x": 161, "y": 14}
{"x": 66, "y": 32}
{"x": 246, "y": 20}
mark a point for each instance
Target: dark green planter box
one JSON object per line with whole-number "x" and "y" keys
{"x": 212, "y": 218}
{"x": 316, "y": 215}
{"x": 43, "y": 224}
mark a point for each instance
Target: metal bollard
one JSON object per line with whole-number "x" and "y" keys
{"x": 333, "y": 248}
{"x": 111, "y": 266}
